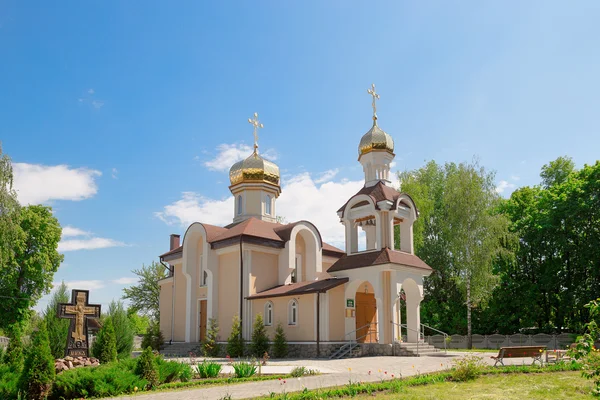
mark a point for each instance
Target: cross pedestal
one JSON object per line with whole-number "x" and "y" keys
{"x": 78, "y": 311}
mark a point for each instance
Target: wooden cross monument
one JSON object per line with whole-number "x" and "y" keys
{"x": 78, "y": 311}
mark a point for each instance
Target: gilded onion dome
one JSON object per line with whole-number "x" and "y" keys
{"x": 254, "y": 169}
{"x": 375, "y": 139}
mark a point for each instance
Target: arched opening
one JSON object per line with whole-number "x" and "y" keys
{"x": 268, "y": 205}
{"x": 412, "y": 310}
{"x": 293, "y": 312}
{"x": 366, "y": 314}
{"x": 239, "y": 205}
{"x": 268, "y": 313}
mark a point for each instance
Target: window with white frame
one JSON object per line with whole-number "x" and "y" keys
{"x": 293, "y": 312}
{"x": 239, "y": 204}
{"x": 268, "y": 313}
{"x": 268, "y": 205}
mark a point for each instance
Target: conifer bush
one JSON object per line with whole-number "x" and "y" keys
{"x": 38, "y": 372}
{"x": 260, "y": 339}
{"x": 235, "y": 342}
{"x": 105, "y": 346}
{"x": 153, "y": 337}
{"x": 147, "y": 368}
{"x": 123, "y": 329}
{"x": 210, "y": 347}
{"x": 14, "y": 351}
{"x": 280, "y": 345}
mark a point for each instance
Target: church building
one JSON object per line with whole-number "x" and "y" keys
{"x": 318, "y": 293}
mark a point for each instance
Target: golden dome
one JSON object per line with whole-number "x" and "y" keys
{"x": 375, "y": 139}
{"x": 254, "y": 169}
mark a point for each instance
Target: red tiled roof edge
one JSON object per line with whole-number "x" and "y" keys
{"x": 297, "y": 289}
{"x": 384, "y": 256}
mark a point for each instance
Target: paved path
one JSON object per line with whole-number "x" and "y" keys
{"x": 335, "y": 373}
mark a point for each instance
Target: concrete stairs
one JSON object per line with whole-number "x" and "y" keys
{"x": 424, "y": 349}
{"x": 347, "y": 350}
{"x": 179, "y": 349}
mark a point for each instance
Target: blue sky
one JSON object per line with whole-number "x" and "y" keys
{"x": 125, "y": 116}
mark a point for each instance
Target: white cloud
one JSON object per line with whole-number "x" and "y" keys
{"x": 97, "y": 103}
{"x": 91, "y": 91}
{"x": 37, "y": 184}
{"x": 193, "y": 207}
{"x": 126, "y": 281}
{"x": 515, "y": 177}
{"x": 327, "y": 175}
{"x": 114, "y": 173}
{"x": 229, "y": 154}
{"x": 319, "y": 205}
{"x": 503, "y": 185}
{"x": 69, "y": 231}
{"x": 84, "y": 285}
{"x": 88, "y": 244}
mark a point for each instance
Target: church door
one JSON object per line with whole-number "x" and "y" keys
{"x": 202, "y": 318}
{"x": 366, "y": 313}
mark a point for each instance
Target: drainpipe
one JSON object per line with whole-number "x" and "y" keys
{"x": 172, "y": 272}
{"x": 318, "y": 324}
{"x": 241, "y": 288}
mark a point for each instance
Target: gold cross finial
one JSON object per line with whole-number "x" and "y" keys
{"x": 256, "y": 124}
{"x": 375, "y": 95}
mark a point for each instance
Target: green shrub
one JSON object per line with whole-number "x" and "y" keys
{"x": 171, "y": 371}
{"x": 235, "y": 342}
{"x": 592, "y": 370}
{"x": 14, "y": 352}
{"x": 301, "y": 371}
{"x": 123, "y": 329}
{"x": 209, "y": 369}
{"x": 105, "y": 346}
{"x": 466, "y": 368}
{"x": 210, "y": 348}
{"x": 38, "y": 371}
{"x": 280, "y": 345}
{"x": 244, "y": 369}
{"x": 147, "y": 368}
{"x": 9, "y": 378}
{"x": 58, "y": 328}
{"x": 2, "y": 351}
{"x": 106, "y": 380}
{"x": 153, "y": 337}
{"x": 260, "y": 341}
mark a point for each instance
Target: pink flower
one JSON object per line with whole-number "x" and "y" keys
{"x": 369, "y": 372}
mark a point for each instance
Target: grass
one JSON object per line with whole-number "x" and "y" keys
{"x": 541, "y": 386}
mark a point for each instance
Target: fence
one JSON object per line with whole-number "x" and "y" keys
{"x": 553, "y": 342}
{"x": 3, "y": 341}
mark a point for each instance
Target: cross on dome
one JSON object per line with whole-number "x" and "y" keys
{"x": 256, "y": 124}
{"x": 375, "y": 96}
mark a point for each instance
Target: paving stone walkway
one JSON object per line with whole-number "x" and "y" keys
{"x": 334, "y": 373}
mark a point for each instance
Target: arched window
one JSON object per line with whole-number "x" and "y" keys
{"x": 268, "y": 205}
{"x": 293, "y": 312}
{"x": 239, "y": 204}
{"x": 268, "y": 313}
{"x": 204, "y": 278}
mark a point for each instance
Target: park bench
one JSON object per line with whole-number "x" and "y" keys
{"x": 536, "y": 352}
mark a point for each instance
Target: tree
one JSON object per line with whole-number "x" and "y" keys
{"x": 105, "y": 346}
{"x": 260, "y": 339}
{"x": 460, "y": 233}
{"x": 235, "y": 342}
{"x": 210, "y": 346}
{"x": 9, "y": 211}
{"x": 144, "y": 296}
{"x": 122, "y": 327}
{"x": 557, "y": 171}
{"x": 38, "y": 372}
{"x": 280, "y": 345}
{"x": 14, "y": 351}
{"x": 58, "y": 328}
{"x": 153, "y": 337}
{"x": 31, "y": 267}
{"x": 140, "y": 323}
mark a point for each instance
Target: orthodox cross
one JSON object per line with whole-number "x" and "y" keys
{"x": 375, "y": 95}
{"x": 256, "y": 124}
{"x": 78, "y": 311}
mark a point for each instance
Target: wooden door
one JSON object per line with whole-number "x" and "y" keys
{"x": 202, "y": 320}
{"x": 366, "y": 313}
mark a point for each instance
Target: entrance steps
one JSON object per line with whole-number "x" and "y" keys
{"x": 179, "y": 349}
{"x": 418, "y": 350}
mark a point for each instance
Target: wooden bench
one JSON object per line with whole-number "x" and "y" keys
{"x": 536, "y": 352}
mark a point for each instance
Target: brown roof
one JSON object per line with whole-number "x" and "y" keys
{"x": 384, "y": 256}
{"x": 378, "y": 192}
{"x": 275, "y": 233}
{"x": 297, "y": 289}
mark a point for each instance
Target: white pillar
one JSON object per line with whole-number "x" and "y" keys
{"x": 413, "y": 318}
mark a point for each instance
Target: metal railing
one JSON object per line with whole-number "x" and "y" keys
{"x": 369, "y": 333}
{"x": 423, "y": 326}
{"x": 408, "y": 329}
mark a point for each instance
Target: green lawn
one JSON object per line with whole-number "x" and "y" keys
{"x": 542, "y": 386}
